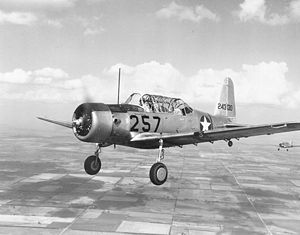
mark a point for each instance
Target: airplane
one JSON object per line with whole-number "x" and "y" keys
{"x": 157, "y": 122}
{"x": 287, "y": 145}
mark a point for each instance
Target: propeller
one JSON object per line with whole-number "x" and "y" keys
{"x": 82, "y": 119}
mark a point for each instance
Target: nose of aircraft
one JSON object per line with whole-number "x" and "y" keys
{"x": 92, "y": 122}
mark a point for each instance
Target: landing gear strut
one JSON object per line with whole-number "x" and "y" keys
{"x": 92, "y": 164}
{"x": 158, "y": 172}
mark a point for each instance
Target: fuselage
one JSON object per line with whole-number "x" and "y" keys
{"x": 130, "y": 120}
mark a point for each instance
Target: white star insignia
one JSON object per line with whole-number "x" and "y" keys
{"x": 205, "y": 124}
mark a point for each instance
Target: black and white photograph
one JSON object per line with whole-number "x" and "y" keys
{"x": 168, "y": 117}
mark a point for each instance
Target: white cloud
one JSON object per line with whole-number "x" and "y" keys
{"x": 53, "y": 76}
{"x": 28, "y": 19}
{"x": 51, "y": 72}
{"x": 263, "y": 83}
{"x": 20, "y": 18}
{"x": 294, "y": 9}
{"x": 91, "y": 25}
{"x": 256, "y": 10}
{"x": 252, "y": 9}
{"x": 16, "y": 76}
{"x": 149, "y": 77}
{"x": 54, "y": 23}
{"x": 93, "y": 31}
{"x": 47, "y": 84}
{"x": 196, "y": 14}
{"x": 31, "y": 4}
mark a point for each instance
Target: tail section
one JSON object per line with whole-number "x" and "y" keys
{"x": 226, "y": 104}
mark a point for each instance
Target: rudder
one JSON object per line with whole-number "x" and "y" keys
{"x": 226, "y": 104}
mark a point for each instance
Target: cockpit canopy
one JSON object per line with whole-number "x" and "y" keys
{"x": 159, "y": 104}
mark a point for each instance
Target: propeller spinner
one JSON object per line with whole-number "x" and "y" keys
{"x": 92, "y": 122}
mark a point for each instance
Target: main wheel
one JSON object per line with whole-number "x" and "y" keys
{"x": 92, "y": 165}
{"x": 158, "y": 173}
{"x": 230, "y": 143}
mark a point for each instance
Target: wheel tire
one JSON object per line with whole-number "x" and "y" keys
{"x": 91, "y": 166}
{"x": 158, "y": 173}
{"x": 230, "y": 143}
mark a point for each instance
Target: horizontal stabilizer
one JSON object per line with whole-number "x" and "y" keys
{"x": 64, "y": 124}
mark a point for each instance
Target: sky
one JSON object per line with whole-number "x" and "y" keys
{"x": 56, "y": 54}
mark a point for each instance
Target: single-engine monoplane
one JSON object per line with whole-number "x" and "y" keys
{"x": 153, "y": 121}
{"x": 287, "y": 145}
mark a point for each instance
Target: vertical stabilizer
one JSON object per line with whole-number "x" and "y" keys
{"x": 226, "y": 104}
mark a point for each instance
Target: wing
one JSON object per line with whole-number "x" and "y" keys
{"x": 218, "y": 134}
{"x": 64, "y": 124}
{"x": 248, "y": 131}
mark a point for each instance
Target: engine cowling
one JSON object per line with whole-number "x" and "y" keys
{"x": 92, "y": 122}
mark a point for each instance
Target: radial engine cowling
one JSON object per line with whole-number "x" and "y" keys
{"x": 92, "y": 122}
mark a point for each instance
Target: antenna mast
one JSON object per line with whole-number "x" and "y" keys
{"x": 119, "y": 85}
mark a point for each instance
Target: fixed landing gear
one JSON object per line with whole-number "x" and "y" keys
{"x": 92, "y": 164}
{"x": 230, "y": 143}
{"x": 158, "y": 172}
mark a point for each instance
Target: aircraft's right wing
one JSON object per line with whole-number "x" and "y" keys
{"x": 218, "y": 134}
{"x": 65, "y": 124}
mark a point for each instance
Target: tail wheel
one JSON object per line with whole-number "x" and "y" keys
{"x": 158, "y": 173}
{"x": 92, "y": 165}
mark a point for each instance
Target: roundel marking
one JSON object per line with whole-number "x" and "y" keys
{"x": 205, "y": 124}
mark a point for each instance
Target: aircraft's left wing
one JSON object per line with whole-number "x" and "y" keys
{"x": 247, "y": 131}
{"x": 65, "y": 124}
{"x": 219, "y": 134}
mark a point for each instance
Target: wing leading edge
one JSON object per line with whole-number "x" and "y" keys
{"x": 64, "y": 124}
{"x": 219, "y": 134}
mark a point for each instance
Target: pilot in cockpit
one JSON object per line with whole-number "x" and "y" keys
{"x": 146, "y": 107}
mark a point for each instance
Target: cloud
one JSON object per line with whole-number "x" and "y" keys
{"x": 28, "y": 19}
{"x": 47, "y": 84}
{"x": 93, "y": 31}
{"x": 19, "y": 18}
{"x": 37, "y": 4}
{"x": 53, "y": 76}
{"x": 262, "y": 83}
{"x": 149, "y": 77}
{"x": 196, "y": 14}
{"x": 294, "y": 9}
{"x": 33, "y": 12}
{"x": 256, "y": 10}
{"x": 16, "y": 76}
{"x": 54, "y": 23}
{"x": 51, "y": 72}
{"x": 91, "y": 25}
